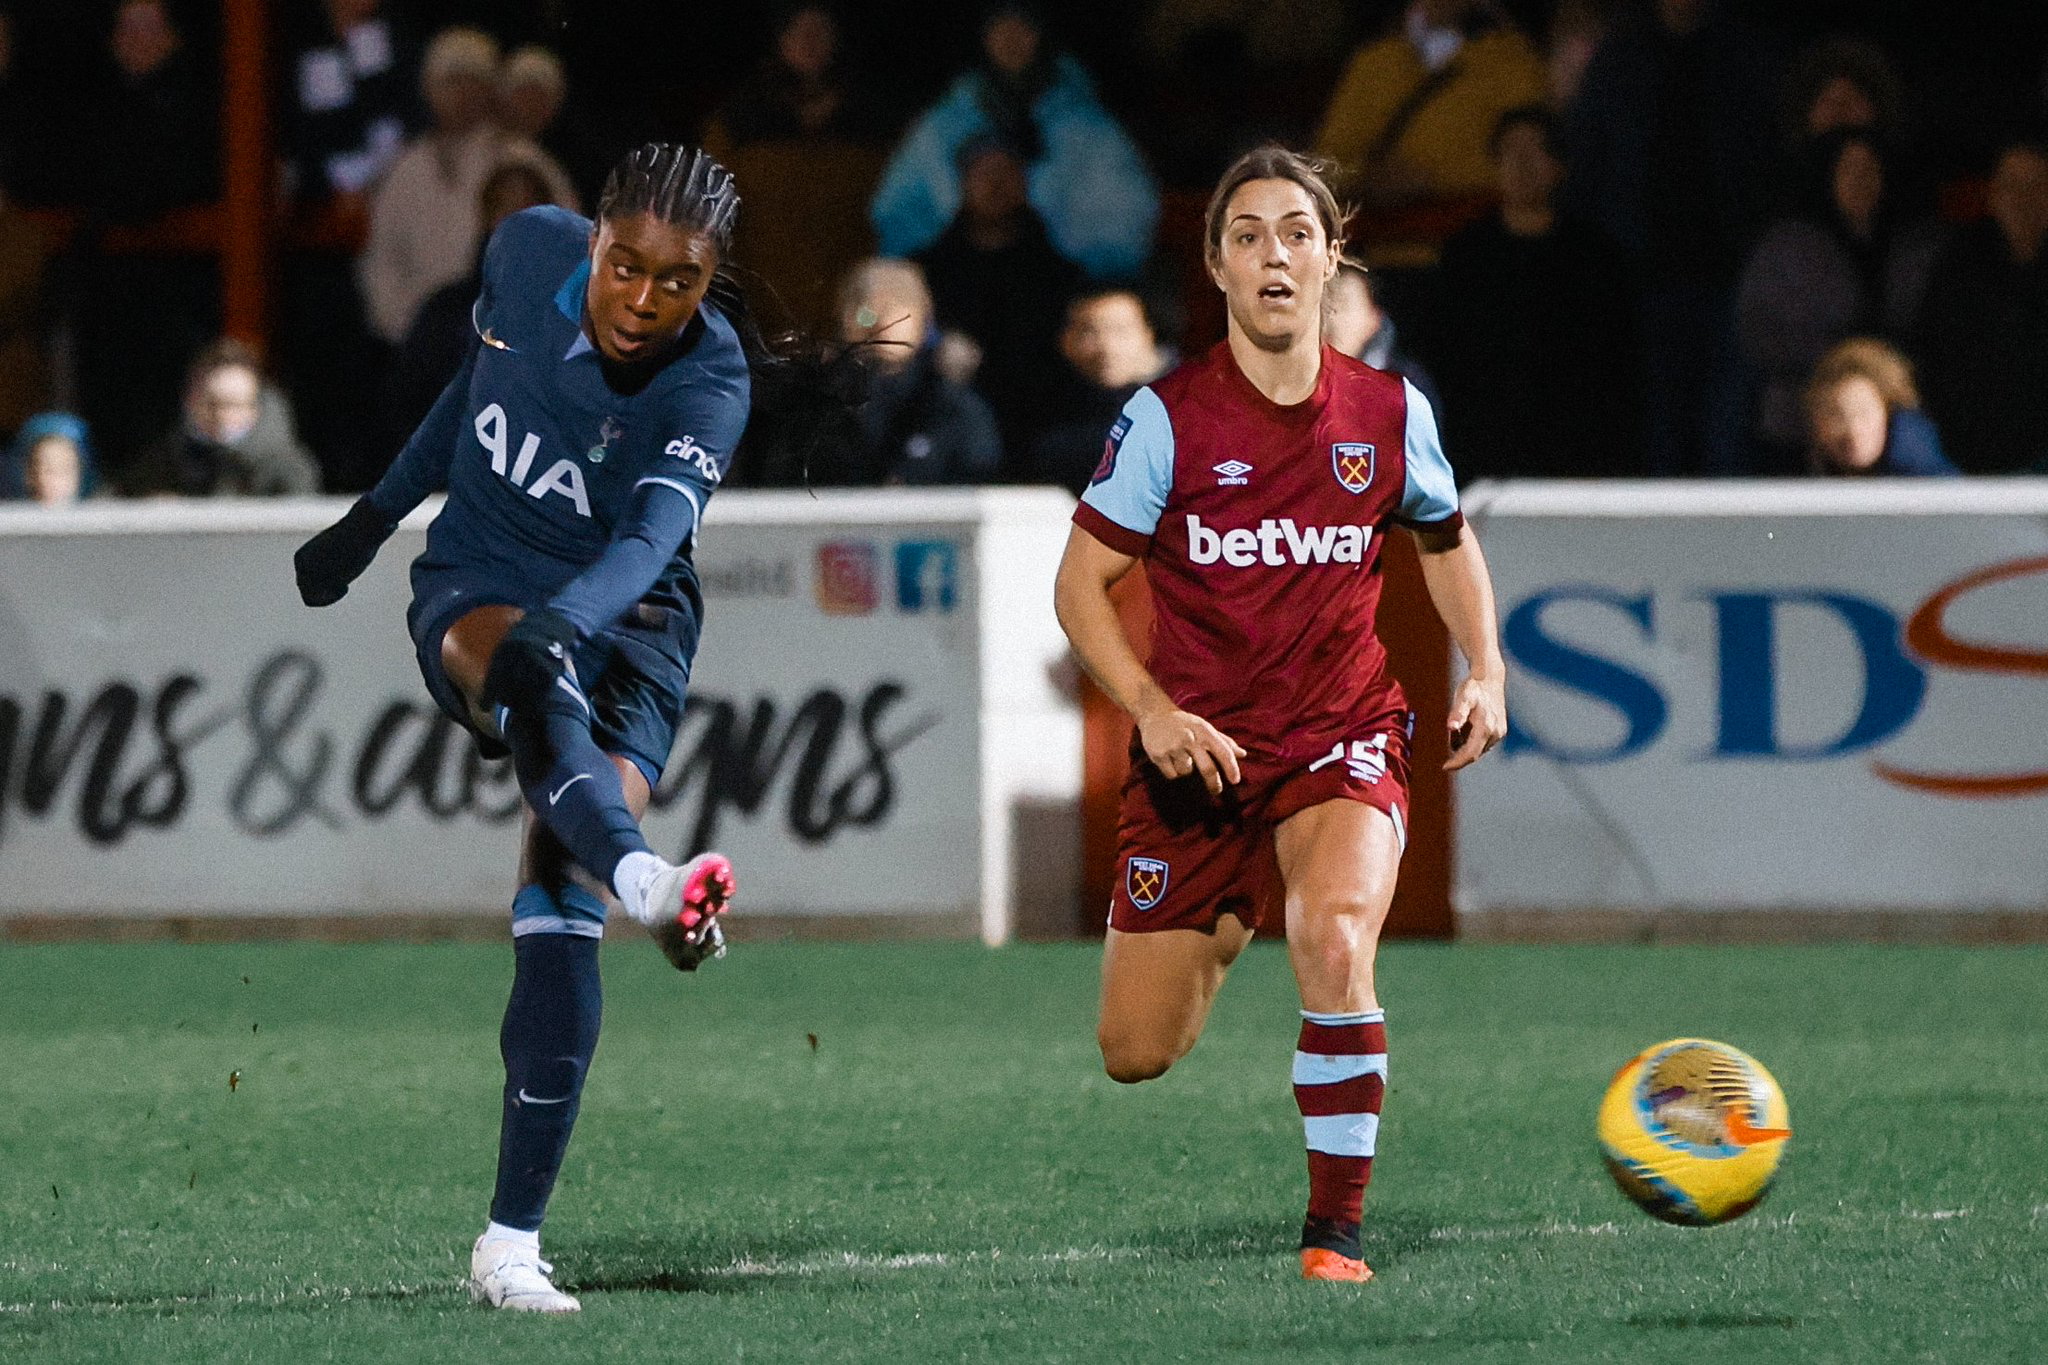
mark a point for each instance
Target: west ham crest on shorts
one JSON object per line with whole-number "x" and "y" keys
{"x": 1145, "y": 880}
{"x": 1352, "y": 463}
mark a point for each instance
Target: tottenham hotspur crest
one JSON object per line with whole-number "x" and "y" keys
{"x": 1352, "y": 462}
{"x": 607, "y": 432}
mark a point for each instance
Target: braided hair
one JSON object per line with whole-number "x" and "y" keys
{"x": 674, "y": 184}
{"x": 804, "y": 391}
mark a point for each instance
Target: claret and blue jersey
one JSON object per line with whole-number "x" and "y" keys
{"x": 1260, "y": 530}
{"x": 563, "y": 491}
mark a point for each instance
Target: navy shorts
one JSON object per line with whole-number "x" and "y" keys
{"x": 635, "y": 673}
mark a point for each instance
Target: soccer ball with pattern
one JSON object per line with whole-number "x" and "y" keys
{"x": 1693, "y": 1131}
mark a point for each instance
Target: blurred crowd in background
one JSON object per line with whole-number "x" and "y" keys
{"x": 1689, "y": 238}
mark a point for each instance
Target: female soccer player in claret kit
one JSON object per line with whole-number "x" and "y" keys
{"x": 556, "y": 609}
{"x": 1270, "y": 755}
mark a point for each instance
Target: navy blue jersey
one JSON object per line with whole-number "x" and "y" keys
{"x": 562, "y": 491}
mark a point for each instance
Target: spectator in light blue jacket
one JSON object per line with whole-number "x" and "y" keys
{"x": 1086, "y": 178}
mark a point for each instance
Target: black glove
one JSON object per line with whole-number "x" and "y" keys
{"x": 527, "y": 661}
{"x": 332, "y": 560}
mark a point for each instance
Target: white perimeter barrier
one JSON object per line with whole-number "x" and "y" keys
{"x": 879, "y": 729}
{"x": 1806, "y": 697}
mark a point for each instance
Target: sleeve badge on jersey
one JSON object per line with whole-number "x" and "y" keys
{"x": 1145, "y": 881}
{"x": 1352, "y": 462}
{"x": 1109, "y": 449}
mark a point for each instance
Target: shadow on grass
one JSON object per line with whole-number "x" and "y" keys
{"x": 1389, "y": 1237}
{"x": 650, "y": 1263}
{"x": 1712, "y": 1322}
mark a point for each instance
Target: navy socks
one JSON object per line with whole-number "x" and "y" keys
{"x": 548, "y": 1037}
{"x": 572, "y": 785}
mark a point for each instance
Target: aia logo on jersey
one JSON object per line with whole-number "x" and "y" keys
{"x": 1352, "y": 463}
{"x": 1109, "y": 449}
{"x": 1145, "y": 881}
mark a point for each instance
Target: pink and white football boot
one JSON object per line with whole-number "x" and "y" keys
{"x": 683, "y": 905}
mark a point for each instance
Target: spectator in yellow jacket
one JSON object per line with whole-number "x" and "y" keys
{"x": 1409, "y": 124}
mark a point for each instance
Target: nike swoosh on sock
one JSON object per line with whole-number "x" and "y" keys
{"x": 556, "y": 794}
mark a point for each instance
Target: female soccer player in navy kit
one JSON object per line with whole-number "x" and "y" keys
{"x": 1270, "y": 755}
{"x": 556, "y": 610}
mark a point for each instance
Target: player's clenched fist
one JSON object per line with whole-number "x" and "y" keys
{"x": 1478, "y": 720}
{"x": 1179, "y": 743}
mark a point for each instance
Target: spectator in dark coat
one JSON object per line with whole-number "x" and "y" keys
{"x": 24, "y": 137}
{"x": 1845, "y": 261}
{"x": 995, "y": 276}
{"x": 236, "y": 439}
{"x": 1538, "y": 329}
{"x": 1671, "y": 149}
{"x": 918, "y": 426}
{"x": 1355, "y": 324}
{"x": 142, "y": 123}
{"x": 351, "y": 104}
{"x": 1984, "y": 327}
{"x": 137, "y": 128}
{"x": 1843, "y": 82}
{"x": 803, "y": 135}
{"x": 1110, "y": 348}
{"x": 1864, "y": 417}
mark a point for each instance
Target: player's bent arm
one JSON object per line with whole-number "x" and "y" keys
{"x": 1177, "y": 742}
{"x": 1454, "y": 571}
{"x": 659, "y": 519}
{"x": 330, "y": 561}
{"x": 421, "y": 467}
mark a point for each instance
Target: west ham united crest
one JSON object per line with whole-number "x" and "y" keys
{"x": 1352, "y": 462}
{"x": 1145, "y": 880}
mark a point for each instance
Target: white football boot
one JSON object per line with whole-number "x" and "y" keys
{"x": 682, "y": 904}
{"x": 505, "y": 1274}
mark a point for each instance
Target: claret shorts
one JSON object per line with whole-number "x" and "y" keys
{"x": 1185, "y": 858}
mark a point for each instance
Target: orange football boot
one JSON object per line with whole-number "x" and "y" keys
{"x": 1321, "y": 1263}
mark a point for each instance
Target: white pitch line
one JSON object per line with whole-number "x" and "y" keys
{"x": 856, "y": 1263}
{"x": 745, "y": 1267}
{"x": 271, "y": 1299}
{"x": 915, "y": 1260}
{"x": 1496, "y": 1234}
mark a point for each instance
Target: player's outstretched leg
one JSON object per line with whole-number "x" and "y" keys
{"x": 578, "y": 792}
{"x": 547, "y": 1040}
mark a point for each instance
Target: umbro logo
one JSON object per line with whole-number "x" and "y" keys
{"x": 1231, "y": 474}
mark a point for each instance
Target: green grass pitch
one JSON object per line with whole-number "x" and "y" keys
{"x": 908, "y": 1153}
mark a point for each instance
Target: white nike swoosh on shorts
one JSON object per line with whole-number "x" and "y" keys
{"x": 556, "y": 794}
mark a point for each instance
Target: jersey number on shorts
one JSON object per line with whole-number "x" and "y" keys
{"x": 1367, "y": 759}
{"x": 562, "y": 476}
